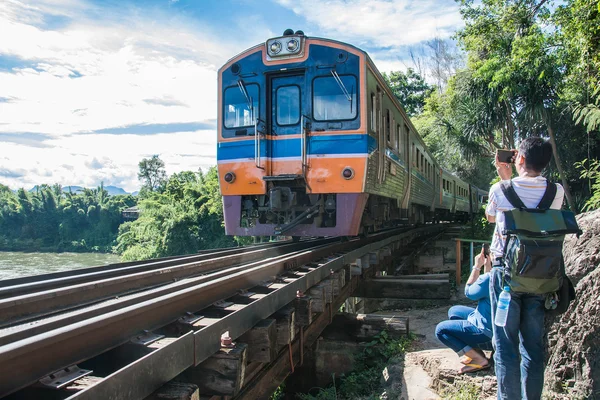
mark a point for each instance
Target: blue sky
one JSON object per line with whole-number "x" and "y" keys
{"x": 89, "y": 88}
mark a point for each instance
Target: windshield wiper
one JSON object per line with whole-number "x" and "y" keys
{"x": 245, "y": 93}
{"x": 341, "y": 84}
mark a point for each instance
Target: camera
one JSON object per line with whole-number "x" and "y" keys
{"x": 505, "y": 156}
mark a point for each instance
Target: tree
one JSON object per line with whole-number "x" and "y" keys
{"x": 152, "y": 173}
{"x": 443, "y": 60}
{"x": 184, "y": 218}
{"x": 410, "y": 89}
{"x": 511, "y": 52}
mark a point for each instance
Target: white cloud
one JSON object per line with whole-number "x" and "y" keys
{"x": 83, "y": 74}
{"x": 381, "y": 23}
{"x": 102, "y": 157}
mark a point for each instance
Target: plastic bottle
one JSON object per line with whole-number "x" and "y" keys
{"x": 502, "y": 309}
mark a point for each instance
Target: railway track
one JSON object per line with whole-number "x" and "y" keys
{"x": 106, "y": 319}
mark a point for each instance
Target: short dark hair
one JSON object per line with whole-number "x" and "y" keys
{"x": 537, "y": 152}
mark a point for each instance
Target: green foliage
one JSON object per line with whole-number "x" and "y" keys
{"x": 187, "y": 216}
{"x": 590, "y": 170}
{"x": 364, "y": 381}
{"x": 589, "y": 114}
{"x": 152, "y": 174}
{"x": 53, "y": 220}
{"x": 279, "y": 393}
{"x": 410, "y": 88}
{"x": 449, "y": 135}
{"x": 462, "y": 391}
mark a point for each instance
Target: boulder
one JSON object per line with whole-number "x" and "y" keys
{"x": 573, "y": 368}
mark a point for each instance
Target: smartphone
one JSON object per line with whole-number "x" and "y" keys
{"x": 486, "y": 250}
{"x": 505, "y": 156}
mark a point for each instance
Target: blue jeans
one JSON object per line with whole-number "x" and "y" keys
{"x": 459, "y": 334}
{"x": 459, "y": 312}
{"x": 519, "y": 356}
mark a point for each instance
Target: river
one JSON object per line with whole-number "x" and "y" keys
{"x": 17, "y": 264}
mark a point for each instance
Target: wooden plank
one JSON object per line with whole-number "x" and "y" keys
{"x": 285, "y": 326}
{"x": 272, "y": 375}
{"x": 441, "y": 276}
{"x": 261, "y": 341}
{"x": 379, "y": 288}
{"x": 317, "y": 293}
{"x": 427, "y": 263}
{"x": 458, "y": 259}
{"x": 303, "y": 311}
{"x": 176, "y": 391}
{"x": 221, "y": 374}
{"x": 363, "y": 327}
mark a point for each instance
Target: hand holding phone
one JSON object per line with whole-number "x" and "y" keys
{"x": 486, "y": 250}
{"x": 505, "y": 156}
{"x": 504, "y": 159}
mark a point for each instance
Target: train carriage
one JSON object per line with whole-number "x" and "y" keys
{"x": 312, "y": 142}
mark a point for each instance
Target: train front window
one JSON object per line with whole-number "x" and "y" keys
{"x": 288, "y": 105}
{"x": 334, "y": 98}
{"x": 240, "y": 108}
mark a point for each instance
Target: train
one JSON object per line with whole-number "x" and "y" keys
{"x": 312, "y": 142}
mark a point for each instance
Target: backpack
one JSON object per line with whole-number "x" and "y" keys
{"x": 532, "y": 256}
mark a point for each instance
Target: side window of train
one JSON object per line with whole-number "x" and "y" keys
{"x": 334, "y": 100}
{"x": 373, "y": 112}
{"x": 399, "y": 139}
{"x": 388, "y": 135}
{"x": 240, "y": 108}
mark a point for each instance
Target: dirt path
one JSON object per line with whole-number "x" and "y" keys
{"x": 429, "y": 370}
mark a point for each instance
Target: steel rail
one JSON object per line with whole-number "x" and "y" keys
{"x": 140, "y": 378}
{"x": 24, "y": 307}
{"x": 26, "y": 361}
{"x": 26, "y": 330}
{"x": 30, "y": 284}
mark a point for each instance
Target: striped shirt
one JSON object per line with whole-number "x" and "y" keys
{"x": 530, "y": 190}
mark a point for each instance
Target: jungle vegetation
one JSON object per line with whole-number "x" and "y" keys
{"x": 50, "y": 219}
{"x": 517, "y": 68}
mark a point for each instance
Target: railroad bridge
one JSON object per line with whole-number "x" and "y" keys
{"x": 231, "y": 323}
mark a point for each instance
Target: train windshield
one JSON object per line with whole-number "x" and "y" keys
{"x": 334, "y": 98}
{"x": 240, "y": 105}
{"x": 288, "y": 105}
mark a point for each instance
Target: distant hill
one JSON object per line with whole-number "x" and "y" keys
{"x": 112, "y": 190}
{"x": 74, "y": 189}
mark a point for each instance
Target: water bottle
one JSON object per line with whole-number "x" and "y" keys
{"x": 502, "y": 310}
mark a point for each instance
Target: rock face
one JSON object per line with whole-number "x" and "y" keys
{"x": 573, "y": 368}
{"x": 582, "y": 254}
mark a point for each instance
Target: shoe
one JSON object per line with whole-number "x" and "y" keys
{"x": 474, "y": 368}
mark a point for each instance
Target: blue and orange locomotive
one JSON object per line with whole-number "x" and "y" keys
{"x": 312, "y": 142}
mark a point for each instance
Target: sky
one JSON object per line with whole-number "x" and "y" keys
{"x": 90, "y": 88}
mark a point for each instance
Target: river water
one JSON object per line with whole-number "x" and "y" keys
{"x": 17, "y": 264}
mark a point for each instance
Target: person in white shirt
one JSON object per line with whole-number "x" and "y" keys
{"x": 519, "y": 356}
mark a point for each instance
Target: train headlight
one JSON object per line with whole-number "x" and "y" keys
{"x": 287, "y": 46}
{"x": 348, "y": 173}
{"x": 229, "y": 177}
{"x": 293, "y": 45}
{"x": 275, "y": 47}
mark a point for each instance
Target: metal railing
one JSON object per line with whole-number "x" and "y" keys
{"x": 459, "y": 242}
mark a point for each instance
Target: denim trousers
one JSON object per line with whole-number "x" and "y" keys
{"x": 519, "y": 345}
{"x": 459, "y": 312}
{"x": 459, "y": 334}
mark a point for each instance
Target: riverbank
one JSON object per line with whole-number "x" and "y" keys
{"x": 16, "y": 264}
{"x": 38, "y": 245}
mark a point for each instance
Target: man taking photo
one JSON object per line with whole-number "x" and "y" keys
{"x": 519, "y": 356}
